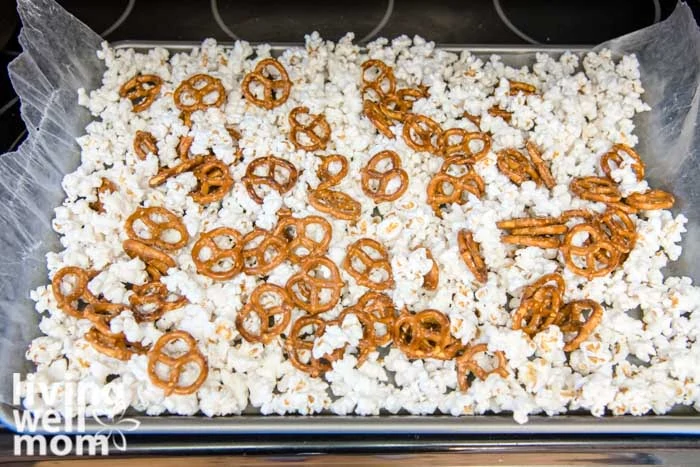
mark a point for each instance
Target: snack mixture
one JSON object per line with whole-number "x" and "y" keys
{"x": 381, "y": 230}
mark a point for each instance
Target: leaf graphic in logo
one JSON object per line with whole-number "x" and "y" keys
{"x": 115, "y": 430}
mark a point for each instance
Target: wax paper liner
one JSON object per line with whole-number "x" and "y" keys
{"x": 59, "y": 58}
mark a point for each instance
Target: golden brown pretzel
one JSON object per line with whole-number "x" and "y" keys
{"x": 157, "y": 262}
{"x": 152, "y": 300}
{"x": 539, "y": 241}
{"x": 368, "y": 343}
{"x": 106, "y": 186}
{"x": 301, "y": 243}
{"x": 317, "y": 131}
{"x": 432, "y": 278}
{"x": 375, "y": 182}
{"x": 600, "y": 255}
{"x": 540, "y": 304}
{"x": 570, "y": 317}
{"x": 300, "y": 344}
{"x": 274, "y": 172}
{"x": 364, "y": 257}
{"x": 595, "y": 189}
{"x": 113, "y": 345}
{"x": 272, "y": 309}
{"x": 517, "y": 167}
{"x": 381, "y": 81}
{"x": 382, "y": 311}
{"x": 192, "y": 95}
{"x": 214, "y": 260}
{"x": 186, "y": 163}
{"x": 70, "y": 302}
{"x": 381, "y": 122}
{"x": 618, "y": 226}
{"x": 445, "y": 188}
{"x": 461, "y": 147}
{"x": 518, "y": 87}
{"x": 306, "y": 287}
{"x": 141, "y": 90}
{"x": 144, "y": 143}
{"x": 157, "y": 221}
{"x": 425, "y": 334}
{"x": 176, "y": 365}
{"x": 335, "y": 203}
{"x": 542, "y": 169}
{"x": 324, "y": 174}
{"x": 100, "y": 314}
{"x": 214, "y": 181}
{"x": 398, "y": 106}
{"x": 614, "y": 156}
{"x": 466, "y": 364}
{"x": 276, "y": 85}
{"x": 262, "y": 251}
{"x": 470, "y": 252}
{"x": 422, "y": 134}
{"x": 496, "y": 111}
{"x": 651, "y": 200}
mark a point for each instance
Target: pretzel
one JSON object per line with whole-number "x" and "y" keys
{"x": 540, "y": 304}
{"x": 192, "y": 356}
{"x": 298, "y": 346}
{"x": 527, "y": 222}
{"x": 462, "y": 146}
{"x": 622, "y": 206}
{"x": 276, "y": 85}
{"x": 191, "y": 95}
{"x": 475, "y": 119}
{"x": 214, "y": 260}
{"x": 78, "y": 296}
{"x": 101, "y": 313}
{"x": 651, "y": 200}
{"x": 186, "y": 163}
{"x": 541, "y": 168}
{"x": 335, "y": 203}
{"x": 381, "y": 122}
{"x": 213, "y": 181}
{"x": 432, "y": 278}
{"x": 614, "y": 156}
{"x": 397, "y": 106}
{"x": 152, "y": 300}
{"x": 469, "y": 250}
{"x": 445, "y": 188}
{"x": 375, "y": 182}
{"x": 141, "y": 90}
{"x": 235, "y": 139}
{"x": 324, "y": 174}
{"x": 271, "y": 307}
{"x": 106, "y": 186}
{"x": 574, "y": 213}
{"x": 422, "y": 134}
{"x": 144, "y": 143}
{"x": 425, "y": 334}
{"x": 306, "y": 288}
{"x": 301, "y": 243}
{"x": 619, "y": 228}
{"x": 600, "y": 254}
{"x": 518, "y": 87}
{"x": 157, "y": 262}
{"x": 262, "y": 251}
{"x": 538, "y": 241}
{"x": 466, "y": 364}
{"x": 364, "y": 257}
{"x": 382, "y": 311}
{"x": 595, "y": 189}
{"x": 382, "y": 83}
{"x": 317, "y": 131}
{"x": 569, "y": 321}
{"x": 278, "y": 174}
{"x": 517, "y": 167}
{"x": 496, "y": 111}
{"x": 113, "y": 345}
{"x": 158, "y": 222}
{"x": 368, "y": 343}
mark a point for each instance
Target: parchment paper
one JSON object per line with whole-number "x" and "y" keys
{"x": 59, "y": 57}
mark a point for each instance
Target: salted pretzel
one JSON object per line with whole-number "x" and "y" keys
{"x": 376, "y": 182}
{"x": 141, "y": 90}
{"x": 317, "y": 286}
{"x": 516, "y": 87}
{"x": 217, "y": 253}
{"x": 398, "y": 105}
{"x": 447, "y": 188}
{"x": 364, "y": 259}
{"x": 651, "y": 200}
{"x": 540, "y": 304}
{"x": 186, "y": 164}
{"x": 540, "y": 166}
{"x": 158, "y": 356}
{"x": 113, "y": 345}
{"x": 425, "y": 334}
{"x": 300, "y": 343}
{"x": 152, "y": 300}
{"x": 466, "y": 364}
{"x": 377, "y": 77}
{"x": 379, "y": 119}
{"x": 619, "y": 227}
{"x": 70, "y": 289}
{"x": 598, "y": 254}
{"x": 271, "y": 308}
{"x": 198, "y": 92}
{"x": 326, "y": 175}
{"x": 336, "y": 204}
{"x": 382, "y": 311}
{"x": 158, "y": 226}
{"x": 368, "y": 342}
{"x": 214, "y": 181}
{"x": 599, "y": 189}
{"x": 306, "y": 237}
{"x": 262, "y": 251}
{"x": 614, "y": 156}
{"x": 144, "y": 144}
{"x": 422, "y": 133}
{"x": 517, "y": 167}
{"x": 571, "y": 320}
{"x": 157, "y": 263}
{"x": 540, "y": 232}
{"x": 432, "y": 278}
{"x": 470, "y": 252}
{"x": 272, "y": 77}
{"x": 271, "y": 171}
{"x": 457, "y": 142}
{"x": 106, "y": 186}
{"x": 311, "y": 136}
{"x": 496, "y": 111}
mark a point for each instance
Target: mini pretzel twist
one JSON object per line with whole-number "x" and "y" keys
{"x": 73, "y": 301}
{"x": 157, "y": 263}
{"x": 456, "y": 142}
{"x": 271, "y": 171}
{"x": 158, "y": 222}
{"x": 144, "y": 144}
{"x": 496, "y": 111}
{"x": 324, "y": 173}
{"x": 398, "y": 106}
{"x": 517, "y": 167}
{"x": 374, "y": 114}
{"x": 425, "y": 334}
{"x": 317, "y": 131}
{"x": 422, "y": 134}
{"x": 470, "y": 252}
{"x": 368, "y": 343}
{"x": 270, "y": 305}
{"x": 100, "y": 314}
{"x": 186, "y": 163}
{"x": 262, "y": 251}
{"x": 192, "y": 356}
{"x": 382, "y": 311}
{"x": 215, "y": 261}
{"x": 517, "y": 87}
{"x": 595, "y": 189}
{"x": 540, "y": 304}
{"x": 466, "y": 364}
{"x": 274, "y": 80}
{"x": 651, "y": 200}
{"x": 375, "y": 182}
{"x": 540, "y": 166}
{"x": 306, "y": 288}
{"x": 364, "y": 257}
{"x": 106, "y": 186}
{"x": 382, "y": 83}
{"x": 214, "y": 181}
{"x": 432, "y": 278}
{"x": 571, "y": 319}
{"x": 600, "y": 255}
{"x": 618, "y": 226}
{"x": 141, "y": 90}
{"x": 191, "y": 95}
{"x": 445, "y": 188}
{"x": 299, "y": 347}
{"x": 300, "y": 242}
{"x": 152, "y": 300}
{"x": 113, "y": 345}
{"x": 336, "y": 204}
{"x": 614, "y": 155}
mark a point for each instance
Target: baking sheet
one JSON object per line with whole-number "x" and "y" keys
{"x": 59, "y": 57}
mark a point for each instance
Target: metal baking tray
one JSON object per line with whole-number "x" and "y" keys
{"x": 680, "y": 421}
